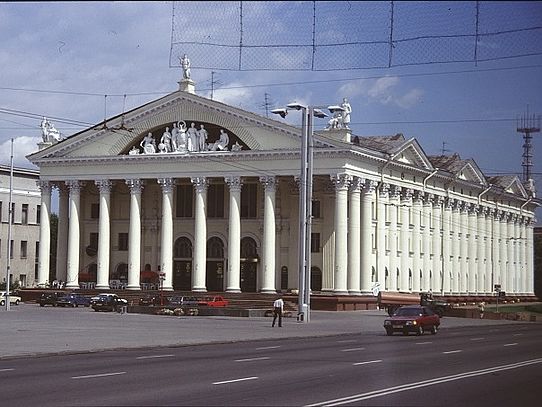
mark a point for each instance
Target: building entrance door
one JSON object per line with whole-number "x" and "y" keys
{"x": 248, "y": 276}
{"x": 214, "y": 280}
{"x": 182, "y": 275}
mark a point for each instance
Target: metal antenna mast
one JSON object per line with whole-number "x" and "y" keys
{"x": 528, "y": 124}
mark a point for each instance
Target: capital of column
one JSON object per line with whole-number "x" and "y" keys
{"x": 471, "y": 209}
{"x": 44, "y": 186}
{"x": 481, "y": 211}
{"x": 449, "y": 204}
{"x": 384, "y": 190}
{"x": 369, "y": 186}
{"x": 438, "y": 201}
{"x": 407, "y": 194}
{"x": 395, "y": 191}
{"x": 234, "y": 183}
{"x": 427, "y": 199}
{"x": 166, "y": 184}
{"x": 269, "y": 182}
{"x": 200, "y": 183}
{"x": 458, "y": 206}
{"x": 357, "y": 184}
{"x": 417, "y": 197}
{"x": 104, "y": 185}
{"x": 340, "y": 181}
{"x": 135, "y": 185}
{"x": 74, "y": 185}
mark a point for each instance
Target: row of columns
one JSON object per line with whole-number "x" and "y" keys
{"x": 467, "y": 250}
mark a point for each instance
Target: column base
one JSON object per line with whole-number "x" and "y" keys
{"x": 233, "y": 290}
{"x": 102, "y": 287}
{"x": 73, "y": 286}
{"x": 354, "y": 292}
{"x": 133, "y": 287}
{"x": 340, "y": 292}
{"x": 268, "y": 291}
{"x": 167, "y": 288}
{"x": 199, "y": 289}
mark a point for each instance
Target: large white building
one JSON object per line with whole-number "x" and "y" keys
{"x": 226, "y": 217}
{"x": 25, "y": 229}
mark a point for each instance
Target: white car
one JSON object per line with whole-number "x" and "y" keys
{"x": 13, "y": 299}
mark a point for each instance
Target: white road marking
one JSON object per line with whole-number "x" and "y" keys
{"x": 92, "y": 376}
{"x": 347, "y": 341}
{"x": 267, "y": 347}
{"x": 237, "y": 380}
{"x": 252, "y": 359}
{"x": 452, "y": 351}
{"x": 366, "y": 363}
{"x": 425, "y": 383}
{"x": 6, "y": 370}
{"x": 510, "y": 344}
{"x": 423, "y": 343}
{"x": 477, "y": 339}
{"x": 352, "y": 349}
{"x": 154, "y": 357}
{"x": 517, "y": 334}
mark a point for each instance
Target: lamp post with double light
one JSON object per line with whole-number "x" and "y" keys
{"x": 305, "y": 200}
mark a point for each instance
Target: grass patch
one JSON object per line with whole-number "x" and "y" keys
{"x": 534, "y": 308}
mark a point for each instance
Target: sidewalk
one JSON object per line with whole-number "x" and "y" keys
{"x": 28, "y": 329}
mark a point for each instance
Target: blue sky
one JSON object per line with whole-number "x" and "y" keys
{"x": 59, "y": 59}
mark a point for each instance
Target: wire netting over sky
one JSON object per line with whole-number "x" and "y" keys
{"x": 343, "y": 35}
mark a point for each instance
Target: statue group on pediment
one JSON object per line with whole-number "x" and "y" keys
{"x": 341, "y": 118}
{"x": 183, "y": 139}
{"x": 49, "y": 132}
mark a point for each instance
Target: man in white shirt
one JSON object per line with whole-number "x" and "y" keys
{"x": 278, "y": 309}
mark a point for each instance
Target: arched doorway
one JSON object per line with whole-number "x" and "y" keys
{"x": 316, "y": 279}
{"x": 182, "y": 264}
{"x": 249, "y": 264}
{"x": 214, "y": 276}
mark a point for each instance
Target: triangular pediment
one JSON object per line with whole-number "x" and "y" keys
{"x": 471, "y": 173}
{"x": 516, "y": 187}
{"x": 125, "y": 133}
{"x": 411, "y": 153}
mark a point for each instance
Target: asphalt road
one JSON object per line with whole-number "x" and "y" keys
{"x": 479, "y": 365}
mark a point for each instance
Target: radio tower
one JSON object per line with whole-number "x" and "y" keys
{"x": 528, "y": 125}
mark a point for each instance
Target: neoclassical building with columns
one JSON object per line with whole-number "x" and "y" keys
{"x": 207, "y": 195}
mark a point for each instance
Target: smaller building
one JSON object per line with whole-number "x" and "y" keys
{"x": 25, "y": 225}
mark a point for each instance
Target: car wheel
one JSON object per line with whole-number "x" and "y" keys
{"x": 389, "y": 331}
{"x": 434, "y": 330}
{"x": 42, "y": 305}
{"x": 16, "y": 302}
{"x": 2, "y": 303}
{"x": 75, "y": 305}
{"x": 419, "y": 330}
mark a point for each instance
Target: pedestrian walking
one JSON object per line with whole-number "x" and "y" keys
{"x": 278, "y": 309}
{"x": 481, "y": 309}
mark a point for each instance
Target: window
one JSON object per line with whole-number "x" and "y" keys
{"x": 37, "y": 251}
{"x": 123, "y": 242}
{"x": 24, "y": 214}
{"x": 316, "y": 209}
{"x": 215, "y": 201}
{"x": 94, "y": 211}
{"x": 93, "y": 241}
{"x": 184, "y": 201}
{"x": 13, "y": 213}
{"x": 249, "y": 198}
{"x": 315, "y": 242}
{"x": 24, "y": 249}
{"x": 38, "y": 214}
{"x": 0, "y": 211}
{"x": 11, "y": 249}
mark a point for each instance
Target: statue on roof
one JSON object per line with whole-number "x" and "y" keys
{"x": 341, "y": 116}
{"x": 185, "y": 64}
{"x": 49, "y": 132}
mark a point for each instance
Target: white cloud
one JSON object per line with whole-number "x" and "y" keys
{"x": 409, "y": 99}
{"x": 22, "y": 146}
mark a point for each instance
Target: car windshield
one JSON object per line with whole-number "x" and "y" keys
{"x": 408, "y": 312}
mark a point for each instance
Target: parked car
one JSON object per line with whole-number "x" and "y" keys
{"x": 50, "y": 298}
{"x": 183, "y": 301}
{"x": 153, "y": 300}
{"x": 107, "y": 302}
{"x": 412, "y": 318}
{"x": 73, "y": 300}
{"x": 13, "y": 299}
{"x": 216, "y": 301}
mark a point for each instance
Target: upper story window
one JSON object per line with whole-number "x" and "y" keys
{"x": 316, "y": 209}
{"x": 24, "y": 214}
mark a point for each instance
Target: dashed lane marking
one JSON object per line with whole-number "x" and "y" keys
{"x": 93, "y": 376}
{"x": 352, "y": 349}
{"x": 452, "y": 351}
{"x": 236, "y": 380}
{"x": 154, "y": 357}
{"x": 367, "y": 362}
{"x": 252, "y": 359}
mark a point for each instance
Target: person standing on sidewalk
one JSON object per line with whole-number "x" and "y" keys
{"x": 278, "y": 309}
{"x": 481, "y": 309}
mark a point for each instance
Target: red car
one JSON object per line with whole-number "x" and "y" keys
{"x": 216, "y": 301}
{"x": 412, "y": 318}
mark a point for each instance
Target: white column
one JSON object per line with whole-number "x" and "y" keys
{"x": 341, "y": 182}
{"x": 436, "y": 281}
{"x": 456, "y": 242}
{"x": 381, "y": 236}
{"x": 530, "y": 257}
{"x": 495, "y": 234}
{"x": 463, "y": 248}
{"x": 62, "y": 234}
{"x": 404, "y": 270}
{"x": 269, "y": 236}
{"x": 104, "y": 234}
{"x": 366, "y": 236}
{"x": 45, "y": 233}
{"x": 395, "y": 193}
{"x": 233, "y": 278}
{"x": 355, "y": 252}
{"x": 416, "y": 237}
{"x": 503, "y": 250}
{"x": 166, "y": 255}
{"x": 517, "y": 251}
{"x": 471, "y": 285}
{"x": 426, "y": 243}
{"x": 134, "y": 234}
{"x": 74, "y": 237}
{"x": 480, "y": 250}
{"x": 510, "y": 249}
{"x": 446, "y": 247}
{"x": 489, "y": 254}
{"x": 200, "y": 235}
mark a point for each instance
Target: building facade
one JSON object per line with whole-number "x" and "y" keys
{"x": 207, "y": 195}
{"x": 25, "y": 225}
